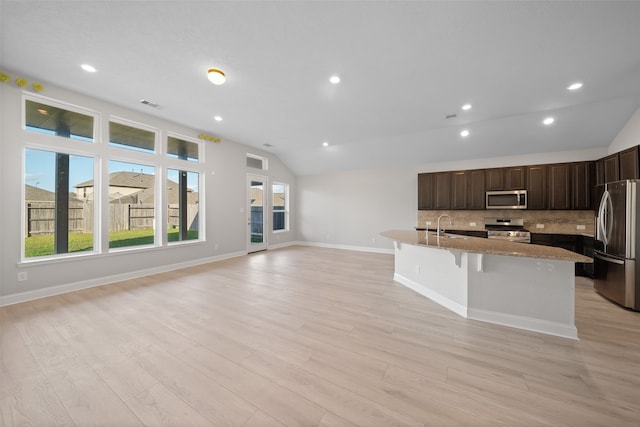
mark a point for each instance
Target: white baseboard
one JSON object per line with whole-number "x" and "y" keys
{"x": 100, "y": 281}
{"x": 282, "y": 245}
{"x": 460, "y": 310}
{"x": 347, "y": 247}
{"x": 527, "y": 323}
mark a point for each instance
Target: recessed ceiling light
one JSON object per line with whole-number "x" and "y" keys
{"x": 216, "y": 76}
{"x": 548, "y": 121}
{"x": 574, "y": 86}
{"x": 334, "y": 79}
{"x": 325, "y": 144}
{"x": 466, "y": 107}
{"x": 88, "y": 68}
{"x": 217, "y": 118}
{"x": 464, "y": 133}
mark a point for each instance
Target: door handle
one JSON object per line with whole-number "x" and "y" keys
{"x": 609, "y": 259}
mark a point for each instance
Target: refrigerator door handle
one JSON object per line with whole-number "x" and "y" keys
{"x": 608, "y": 259}
{"x": 601, "y": 226}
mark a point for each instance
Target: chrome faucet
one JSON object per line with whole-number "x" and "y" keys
{"x": 438, "y": 229}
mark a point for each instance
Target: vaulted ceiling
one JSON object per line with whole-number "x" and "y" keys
{"x": 403, "y": 66}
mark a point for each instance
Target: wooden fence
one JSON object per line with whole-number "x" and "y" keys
{"x": 40, "y": 217}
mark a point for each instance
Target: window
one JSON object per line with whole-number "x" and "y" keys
{"x": 58, "y": 219}
{"x": 183, "y": 213}
{"x": 70, "y": 197}
{"x": 256, "y": 162}
{"x": 58, "y": 121}
{"x": 131, "y": 204}
{"x": 132, "y": 138}
{"x": 180, "y": 149}
{"x": 280, "y": 206}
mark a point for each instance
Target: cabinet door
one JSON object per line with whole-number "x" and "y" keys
{"x": 560, "y": 186}
{"x": 495, "y": 179}
{"x": 476, "y": 189}
{"x": 459, "y": 190}
{"x": 611, "y": 168}
{"x": 629, "y": 163}
{"x": 583, "y": 177}
{"x": 600, "y": 172}
{"x": 443, "y": 190}
{"x": 426, "y": 185}
{"x": 515, "y": 178}
{"x": 537, "y": 187}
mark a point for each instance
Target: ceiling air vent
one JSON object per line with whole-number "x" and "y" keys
{"x": 450, "y": 116}
{"x": 149, "y": 103}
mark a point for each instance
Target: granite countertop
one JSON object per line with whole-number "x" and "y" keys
{"x": 483, "y": 246}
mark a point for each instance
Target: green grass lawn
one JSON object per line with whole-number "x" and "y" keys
{"x": 78, "y": 242}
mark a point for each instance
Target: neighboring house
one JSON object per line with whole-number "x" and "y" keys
{"x": 35, "y": 194}
{"x": 134, "y": 188}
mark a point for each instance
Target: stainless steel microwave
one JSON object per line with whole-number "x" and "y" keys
{"x": 513, "y": 199}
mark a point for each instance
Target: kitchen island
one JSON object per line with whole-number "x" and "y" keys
{"x": 513, "y": 284}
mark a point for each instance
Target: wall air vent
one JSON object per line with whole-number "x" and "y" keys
{"x": 149, "y": 103}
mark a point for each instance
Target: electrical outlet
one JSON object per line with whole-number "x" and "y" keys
{"x": 539, "y": 225}
{"x": 22, "y": 276}
{"x": 215, "y": 246}
{"x": 373, "y": 240}
{"x": 428, "y": 222}
{"x": 581, "y": 227}
{"x": 472, "y": 224}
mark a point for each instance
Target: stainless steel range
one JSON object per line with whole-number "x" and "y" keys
{"x": 507, "y": 229}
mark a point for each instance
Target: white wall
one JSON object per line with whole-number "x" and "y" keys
{"x": 350, "y": 209}
{"x": 629, "y": 136}
{"x": 225, "y": 196}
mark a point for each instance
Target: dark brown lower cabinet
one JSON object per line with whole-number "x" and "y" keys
{"x": 571, "y": 242}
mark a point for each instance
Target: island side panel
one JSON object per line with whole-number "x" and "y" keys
{"x": 526, "y": 293}
{"x": 433, "y": 273}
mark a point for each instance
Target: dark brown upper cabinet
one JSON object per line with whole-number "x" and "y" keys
{"x": 537, "y": 187}
{"x": 426, "y": 186}
{"x": 494, "y": 179}
{"x": 442, "y": 198}
{"x": 629, "y": 163}
{"x": 515, "y": 178}
{"x": 476, "y": 189}
{"x": 600, "y": 172}
{"x": 583, "y": 176}
{"x": 459, "y": 190}
{"x": 611, "y": 168}
{"x": 560, "y": 186}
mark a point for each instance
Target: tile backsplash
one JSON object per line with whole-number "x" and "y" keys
{"x": 543, "y": 221}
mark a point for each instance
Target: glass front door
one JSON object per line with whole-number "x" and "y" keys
{"x": 256, "y": 221}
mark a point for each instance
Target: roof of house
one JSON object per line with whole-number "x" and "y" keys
{"x": 125, "y": 179}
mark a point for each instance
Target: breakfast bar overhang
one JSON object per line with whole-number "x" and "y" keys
{"x": 519, "y": 285}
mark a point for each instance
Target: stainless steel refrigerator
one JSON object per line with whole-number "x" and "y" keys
{"x": 616, "y": 273}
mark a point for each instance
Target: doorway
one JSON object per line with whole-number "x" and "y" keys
{"x": 256, "y": 209}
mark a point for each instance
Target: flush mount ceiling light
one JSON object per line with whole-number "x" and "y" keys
{"x": 334, "y": 79}
{"x": 548, "y": 121}
{"x": 466, "y": 107}
{"x": 217, "y": 118}
{"x": 88, "y": 68}
{"x": 464, "y": 133}
{"x": 574, "y": 86}
{"x": 216, "y": 76}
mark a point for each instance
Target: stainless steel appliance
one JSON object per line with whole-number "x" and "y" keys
{"x": 514, "y": 199}
{"x": 507, "y": 229}
{"x": 616, "y": 274}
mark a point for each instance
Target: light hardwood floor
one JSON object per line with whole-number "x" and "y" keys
{"x": 305, "y": 336}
